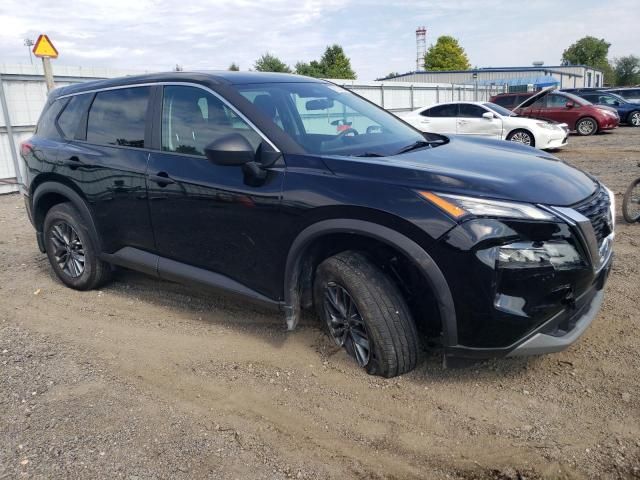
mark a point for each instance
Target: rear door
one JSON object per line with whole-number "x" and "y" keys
{"x": 106, "y": 158}
{"x": 471, "y": 122}
{"x": 440, "y": 119}
{"x": 206, "y": 215}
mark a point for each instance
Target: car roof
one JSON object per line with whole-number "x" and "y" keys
{"x": 204, "y": 77}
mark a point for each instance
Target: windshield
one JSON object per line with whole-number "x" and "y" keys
{"x": 500, "y": 110}
{"x": 325, "y": 119}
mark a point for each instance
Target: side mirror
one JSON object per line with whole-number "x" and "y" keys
{"x": 569, "y": 104}
{"x": 616, "y": 103}
{"x": 230, "y": 150}
{"x": 488, "y": 115}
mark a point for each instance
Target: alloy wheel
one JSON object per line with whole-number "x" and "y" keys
{"x": 68, "y": 249}
{"x": 521, "y": 137}
{"x": 635, "y": 119}
{"x": 586, "y": 127}
{"x": 345, "y": 323}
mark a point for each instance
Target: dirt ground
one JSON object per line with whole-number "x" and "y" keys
{"x": 148, "y": 379}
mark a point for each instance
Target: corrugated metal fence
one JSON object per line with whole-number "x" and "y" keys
{"x": 23, "y": 94}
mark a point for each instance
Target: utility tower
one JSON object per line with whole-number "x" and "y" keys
{"x": 421, "y": 47}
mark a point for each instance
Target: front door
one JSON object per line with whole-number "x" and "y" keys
{"x": 471, "y": 122}
{"x": 556, "y": 109}
{"x": 206, "y": 215}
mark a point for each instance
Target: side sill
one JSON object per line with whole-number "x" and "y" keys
{"x": 167, "y": 269}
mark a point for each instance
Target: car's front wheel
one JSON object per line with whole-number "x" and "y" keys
{"x": 522, "y": 136}
{"x": 634, "y": 118}
{"x": 586, "y": 126}
{"x": 365, "y": 313}
{"x": 71, "y": 250}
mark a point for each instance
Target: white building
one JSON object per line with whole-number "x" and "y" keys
{"x": 562, "y": 76}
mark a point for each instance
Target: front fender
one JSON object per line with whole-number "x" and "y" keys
{"x": 421, "y": 259}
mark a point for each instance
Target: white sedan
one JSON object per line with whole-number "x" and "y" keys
{"x": 487, "y": 120}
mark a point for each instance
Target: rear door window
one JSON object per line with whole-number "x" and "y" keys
{"x": 69, "y": 119}
{"x": 447, "y": 110}
{"x": 117, "y": 117}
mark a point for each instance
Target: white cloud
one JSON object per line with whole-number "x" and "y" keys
{"x": 378, "y": 35}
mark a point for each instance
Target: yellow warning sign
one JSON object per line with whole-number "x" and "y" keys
{"x": 44, "y": 48}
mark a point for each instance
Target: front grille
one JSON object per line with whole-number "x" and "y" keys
{"x": 596, "y": 209}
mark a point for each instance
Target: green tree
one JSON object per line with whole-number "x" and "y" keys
{"x": 234, "y": 67}
{"x": 446, "y": 54}
{"x": 333, "y": 64}
{"x": 627, "y": 70}
{"x": 311, "y": 69}
{"x": 336, "y": 64}
{"x": 590, "y": 51}
{"x": 271, "y": 63}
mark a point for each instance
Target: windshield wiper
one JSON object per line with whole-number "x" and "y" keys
{"x": 415, "y": 146}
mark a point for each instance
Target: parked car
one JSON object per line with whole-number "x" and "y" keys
{"x": 580, "y": 115}
{"x": 487, "y": 119}
{"x": 632, "y": 94}
{"x": 628, "y": 112}
{"x": 240, "y": 182}
{"x": 510, "y": 100}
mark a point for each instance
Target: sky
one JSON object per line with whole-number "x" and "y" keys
{"x": 378, "y": 36}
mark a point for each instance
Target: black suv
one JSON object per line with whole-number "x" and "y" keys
{"x": 294, "y": 192}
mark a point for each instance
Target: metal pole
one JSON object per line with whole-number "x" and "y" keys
{"x": 12, "y": 140}
{"x": 437, "y": 93}
{"x": 411, "y": 92}
{"x": 48, "y": 73}
{"x": 382, "y": 96}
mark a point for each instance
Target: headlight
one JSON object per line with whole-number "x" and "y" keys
{"x": 547, "y": 126}
{"x": 459, "y": 206}
{"x": 559, "y": 254}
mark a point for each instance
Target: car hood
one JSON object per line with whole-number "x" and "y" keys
{"x": 477, "y": 167}
{"x": 533, "y": 98}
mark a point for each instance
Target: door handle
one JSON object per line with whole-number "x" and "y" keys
{"x": 72, "y": 162}
{"x": 162, "y": 179}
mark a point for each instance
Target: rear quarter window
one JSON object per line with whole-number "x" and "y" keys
{"x": 47, "y": 123}
{"x": 69, "y": 119}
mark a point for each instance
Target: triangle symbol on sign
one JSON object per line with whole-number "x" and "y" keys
{"x": 44, "y": 47}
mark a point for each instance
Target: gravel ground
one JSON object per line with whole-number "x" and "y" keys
{"x": 147, "y": 379}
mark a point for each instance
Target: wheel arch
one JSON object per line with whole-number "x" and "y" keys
{"x": 589, "y": 117}
{"x": 300, "y": 259}
{"x": 523, "y": 129}
{"x": 51, "y": 192}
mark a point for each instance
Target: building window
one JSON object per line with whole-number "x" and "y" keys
{"x": 588, "y": 79}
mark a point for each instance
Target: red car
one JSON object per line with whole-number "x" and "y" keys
{"x": 579, "y": 114}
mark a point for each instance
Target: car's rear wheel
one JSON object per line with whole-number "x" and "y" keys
{"x": 71, "y": 250}
{"x": 634, "y": 118}
{"x": 522, "y": 136}
{"x": 365, "y": 313}
{"x": 586, "y": 126}
{"x": 631, "y": 202}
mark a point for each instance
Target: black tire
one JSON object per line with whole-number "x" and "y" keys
{"x": 633, "y": 118}
{"x": 631, "y": 202}
{"x": 586, "y": 126}
{"x": 66, "y": 241}
{"x": 382, "y": 313}
{"x": 522, "y": 136}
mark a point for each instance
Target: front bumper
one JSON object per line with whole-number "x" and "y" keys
{"x": 523, "y": 311}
